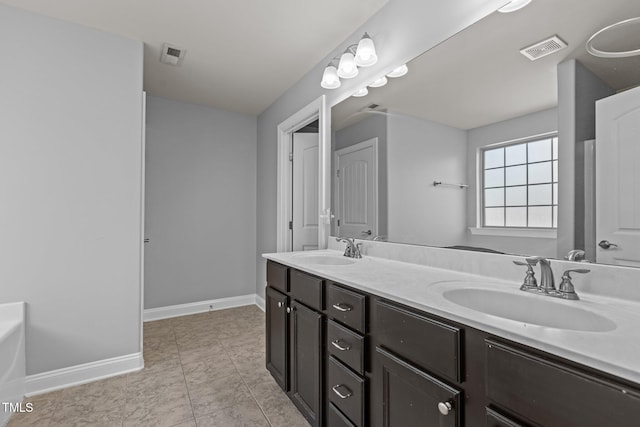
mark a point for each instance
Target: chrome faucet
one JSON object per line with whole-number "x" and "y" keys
{"x": 576, "y": 255}
{"x": 353, "y": 249}
{"x": 547, "y": 283}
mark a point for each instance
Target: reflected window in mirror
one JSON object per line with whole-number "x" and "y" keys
{"x": 519, "y": 182}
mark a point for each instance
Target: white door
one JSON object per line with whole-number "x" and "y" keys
{"x": 618, "y": 178}
{"x": 357, "y": 190}
{"x": 305, "y": 191}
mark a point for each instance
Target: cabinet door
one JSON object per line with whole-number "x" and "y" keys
{"x": 306, "y": 362}
{"x": 277, "y": 336}
{"x": 411, "y": 397}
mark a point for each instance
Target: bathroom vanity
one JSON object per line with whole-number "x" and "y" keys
{"x": 375, "y": 342}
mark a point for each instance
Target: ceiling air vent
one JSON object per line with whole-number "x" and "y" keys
{"x": 543, "y": 48}
{"x": 172, "y": 55}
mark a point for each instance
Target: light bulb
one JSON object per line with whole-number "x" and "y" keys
{"x": 379, "y": 82}
{"x": 399, "y": 71}
{"x": 347, "y": 68}
{"x": 330, "y": 78}
{"x": 514, "y": 5}
{"x": 361, "y": 92}
{"x": 366, "y": 52}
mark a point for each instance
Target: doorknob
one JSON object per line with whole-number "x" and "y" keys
{"x": 366, "y": 233}
{"x": 605, "y": 244}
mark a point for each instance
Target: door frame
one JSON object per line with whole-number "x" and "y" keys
{"x": 316, "y": 110}
{"x": 371, "y": 142}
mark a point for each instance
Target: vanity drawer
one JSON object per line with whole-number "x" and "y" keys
{"x": 547, "y": 392}
{"x": 496, "y": 419}
{"x": 346, "y": 346}
{"x": 346, "y": 391}
{"x": 306, "y": 288}
{"x": 277, "y": 276}
{"x": 347, "y": 307}
{"x": 337, "y": 419}
{"x": 426, "y": 342}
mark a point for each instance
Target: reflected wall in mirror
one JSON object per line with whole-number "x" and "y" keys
{"x": 477, "y": 92}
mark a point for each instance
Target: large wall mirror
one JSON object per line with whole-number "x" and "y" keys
{"x": 473, "y": 91}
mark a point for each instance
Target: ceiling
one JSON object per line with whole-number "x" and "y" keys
{"x": 479, "y": 77}
{"x": 241, "y": 54}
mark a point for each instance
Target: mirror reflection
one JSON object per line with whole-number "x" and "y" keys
{"x": 465, "y": 152}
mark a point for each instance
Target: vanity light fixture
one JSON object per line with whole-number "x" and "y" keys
{"x": 347, "y": 68}
{"x": 361, "y": 92}
{"x": 379, "y": 82}
{"x": 361, "y": 55}
{"x": 366, "y": 52}
{"x": 330, "y": 79}
{"x": 514, "y": 5}
{"x": 399, "y": 71}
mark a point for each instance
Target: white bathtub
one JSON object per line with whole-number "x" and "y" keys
{"x": 12, "y": 357}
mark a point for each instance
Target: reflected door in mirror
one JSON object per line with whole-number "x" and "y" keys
{"x": 618, "y": 178}
{"x": 356, "y": 190}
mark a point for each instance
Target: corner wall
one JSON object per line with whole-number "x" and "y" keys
{"x": 200, "y": 203}
{"x": 578, "y": 91}
{"x": 71, "y": 188}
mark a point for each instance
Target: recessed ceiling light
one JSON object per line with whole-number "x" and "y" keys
{"x": 514, "y": 5}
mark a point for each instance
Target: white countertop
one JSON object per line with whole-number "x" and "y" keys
{"x": 616, "y": 352}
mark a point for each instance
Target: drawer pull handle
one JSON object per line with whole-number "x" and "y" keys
{"x": 340, "y": 395}
{"x": 336, "y": 344}
{"x": 445, "y": 407}
{"x": 342, "y": 307}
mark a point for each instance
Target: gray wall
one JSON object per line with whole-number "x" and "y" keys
{"x": 578, "y": 91}
{"x": 70, "y": 174}
{"x": 200, "y": 203}
{"x": 420, "y": 152}
{"x": 374, "y": 126}
{"x": 402, "y": 30}
{"x": 519, "y": 127}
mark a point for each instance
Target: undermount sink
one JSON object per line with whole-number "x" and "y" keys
{"x": 529, "y": 309}
{"x": 326, "y": 259}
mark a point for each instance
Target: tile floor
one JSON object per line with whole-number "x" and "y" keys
{"x": 201, "y": 370}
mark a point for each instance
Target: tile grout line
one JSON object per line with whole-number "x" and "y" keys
{"x": 250, "y": 391}
{"x": 184, "y": 377}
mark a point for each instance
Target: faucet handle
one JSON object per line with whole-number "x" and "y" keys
{"x": 575, "y": 270}
{"x": 529, "y": 281}
{"x": 566, "y": 289}
{"x": 534, "y": 260}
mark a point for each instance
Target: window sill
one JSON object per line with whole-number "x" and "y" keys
{"x": 515, "y": 232}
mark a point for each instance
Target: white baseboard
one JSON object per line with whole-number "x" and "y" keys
{"x": 151, "y": 314}
{"x": 260, "y": 302}
{"x": 81, "y": 374}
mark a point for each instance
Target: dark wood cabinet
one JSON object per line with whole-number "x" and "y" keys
{"x": 496, "y": 419}
{"x": 348, "y": 358}
{"x": 277, "y": 327}
{"x": 306, "y": 361}
{"x": 412, "y": 397}
{"x": 545, "y": 391}
{"x": 295, "y": 338}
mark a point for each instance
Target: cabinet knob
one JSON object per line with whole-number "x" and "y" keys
{"x": 342, "y": 307}
{"x": 289, "y": 310}
{"x": 445, "y": 407}
{"x": 280, "y": 304}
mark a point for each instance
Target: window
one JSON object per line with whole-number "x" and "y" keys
{"x": 520, "y": 184}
